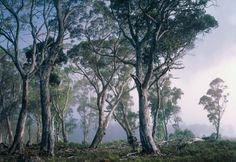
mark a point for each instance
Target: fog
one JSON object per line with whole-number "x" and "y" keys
{"x": 214, "y": 56}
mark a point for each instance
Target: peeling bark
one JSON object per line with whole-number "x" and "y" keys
{"x": 145, "y": 127}
{"x": 148, "y": 143}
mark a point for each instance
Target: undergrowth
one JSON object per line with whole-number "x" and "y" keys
{"x": 207, "y": 151}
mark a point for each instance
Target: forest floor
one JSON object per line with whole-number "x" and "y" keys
{"x": 207, "y": 151}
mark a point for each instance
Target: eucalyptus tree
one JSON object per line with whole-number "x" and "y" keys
{"x": 17, "y": 19}
{"x": 105, "y": 75}
{"x": 88, "y": 115}
{"x": 95, "y": 60}
{"x": 65, "y": 14}
{"x": 159, "y": 31}
{"x": 45, "y": 23}
{"x": 87, "y": 108}
{"x": 215, "y": 102}
{"x": 164, "y": 105}
{"x": 169, "y": 106}
{"x": 61, "y": 96}
{"x": 155, "y": 103}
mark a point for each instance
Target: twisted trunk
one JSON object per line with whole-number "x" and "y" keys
{"x": 102, "y": 124}
{"x": 20, "y": 128}
{"x": 103, "y": 119}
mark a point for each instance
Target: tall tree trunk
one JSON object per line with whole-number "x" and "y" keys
{"x": 47, "y": 141}
{"x": 63, "y": 129}
{"x": 20, "y": 127}
{"x": 156, "y": 111}
{"x": 9, "y": 130}
{"x": 145, "y": 129}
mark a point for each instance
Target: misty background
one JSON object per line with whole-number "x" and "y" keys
{"x": 214, "y": 56}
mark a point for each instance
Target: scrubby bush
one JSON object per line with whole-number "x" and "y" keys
{"x": 180, "y": 134}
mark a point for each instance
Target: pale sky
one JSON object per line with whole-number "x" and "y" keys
{"x": 214, "y": 56}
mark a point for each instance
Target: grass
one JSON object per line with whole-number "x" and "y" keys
{"x": 208, "y": 151}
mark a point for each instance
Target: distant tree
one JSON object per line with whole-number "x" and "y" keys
{"x": 87, "y": 108}
{"x": 169, "y": 108}
{"x": 88, "y": 116}
{"x": 9, "y": 96}
{"x": 61, "y": 96}
{"x": 164, "y": 99}
{"x": 106, "y": 75}
{"x": 71, "y": 122}
{"x": 215, "y": 103}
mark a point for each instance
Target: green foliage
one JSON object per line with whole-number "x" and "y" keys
{"x": 54, "y": 79}
{"x": 181, "y": 135}
{"x": 176, "y": 27}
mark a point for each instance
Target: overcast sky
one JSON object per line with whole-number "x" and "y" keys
{"x": 214, "y": 56}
